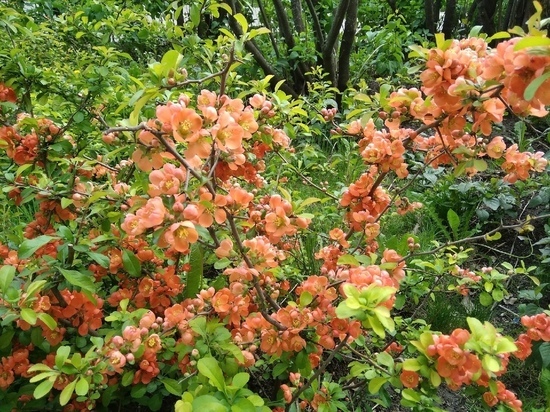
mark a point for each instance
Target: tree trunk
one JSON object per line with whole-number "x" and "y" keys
{"x": 487, "y": 13}
{"x": 449, "y": 23}
{"x": 429, "y": 11}
{"x": 346, "y": 47}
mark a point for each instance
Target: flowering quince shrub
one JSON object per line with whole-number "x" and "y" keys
{"x": 164, "y": 272}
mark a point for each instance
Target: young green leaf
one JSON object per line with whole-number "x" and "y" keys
{"x": 194, "y": 276}
{"x": 131, "y": 263}
{"x": 210, "y": 368}
{"x": 28, "y": 247}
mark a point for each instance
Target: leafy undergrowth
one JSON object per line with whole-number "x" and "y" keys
{"x": 185, "y": 242}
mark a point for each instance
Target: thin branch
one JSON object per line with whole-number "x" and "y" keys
{"x": 263, "y": 297}
{"x": 318, "y": 372}
{"x": 307, "y": 179}
{"x": 369, "y": 360}
{"x": 267, "y": 24}
{"x": 402, "y": 189}
{"x": 253, "y": 49}
{"x": 475, "y": 238}
{"x": 319, "y": 33}
{"x": 222, "y": 73}
{"x": 445, "y": 148}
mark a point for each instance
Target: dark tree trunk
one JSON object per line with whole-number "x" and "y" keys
{"x": 429, "y": 11}
{"x": 449, "y": 23}
{"x": 487, "y": 14}
{"x": 346, "y": 47}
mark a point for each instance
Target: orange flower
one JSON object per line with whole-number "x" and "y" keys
{"x": 227, "y": 132}
{"x": 248, "y": 123}
{"x": 453, "y": 354}
{"x": 152, "y": 214}
{"x": 180, "y": 235}
{"x": 153, "y": 343}
{"x": 7, "y": 94}
{"x": 294, "y": 319}
{"x": 117, "y": 360}
{"x": 271, "y": 343}
{"x": 339, "y": 235}
{"x": 490, "y": 399}
{"x": 409, "y": 379}
{"x": 166, "y": 180}
{"x": 222, "y": 302}
{"x": 186, "y": 125}
{"x": 524, "y": 347}
{"x": 495, "y": 149}
{"x": 226, "y": 246}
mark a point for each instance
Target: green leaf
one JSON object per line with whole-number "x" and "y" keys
{"x": 48, "y": 320}
{"x": 480, "y": 165}
{"x": 544, "y": 351}
{"x": 531, "y": 90}
{"x": 490, "y": 363}
{"x": 39, "y": 367}
{"x": 305, "y": 298}
{"x": 384, "y": 358}
{"x": 348, "y": 260}
{"x": 171, "y": 59}
{"x": 498, "y": 36}
{"x": 279, "y": 369}
{"x": 7, "y": 273}
{"x": 138, "y": 391}
{"x": 343, "y": 311}
{"x": 411, "y": 365}
{"x": 497, "y": 295}
{"x": 242, "y": 22}
{"x": 411, "y": 395}
{"x": 210, "y": 368}
{"x": 454, "y": 221}
{"x": 493, "y": 237}
{"x": 82, "y": 386}
{"x": 376, "y": 383}
{"x": 131, "y": 263}
{"x": 221, "y": 263}
{"x": 194, "y": 276}
{"x": 6, "y": 338}
{"x": 43, "y": 375}
{"x": 62, "y": 355}
{"x": 172, "y": 386}
{"x": 243, "y": 405}
{"x": 29, "y": 316}
{"x": 505, "y": 345}
{"x": 67, "y": 393}
{"x": 79, "y": 117}
{"x": 532, "y": 41}
{"x": 240, "y": 379}
{"x": 127, "y": 378}
{"x": 195, "y": 14}
{"x": 99, "y": 258}
{"x": 28, "y": 247}
{"x": 82, "y": 280}
{"x": 208, "y": 403}
{"x": 43, "y": 388}
{"x": 544, "y": 380}
{"x": 182, "y": 406}
{"x": 66, "y": 202}
{"x": 485, "y": 299}
{"x": 435, "y": 379}
{"x": 476, "y": 327}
